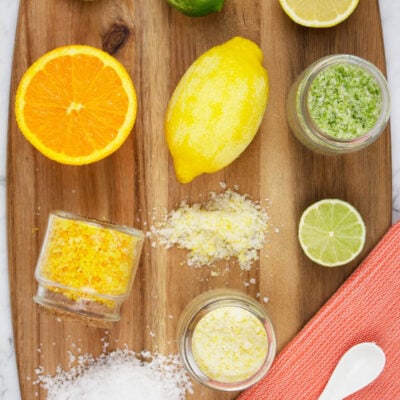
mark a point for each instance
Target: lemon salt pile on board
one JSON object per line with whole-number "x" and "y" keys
{"x": 319, "y": 13}
{"x": 228, "y": 225}
{"x": 217, "y": 108}
{"x": 76, "y": 104}
{"x": 331, "y": 232}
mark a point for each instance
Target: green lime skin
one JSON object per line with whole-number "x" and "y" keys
{"x": 197, "y": 8}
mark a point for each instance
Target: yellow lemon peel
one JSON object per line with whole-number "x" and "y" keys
{"x": 216, "y": 108}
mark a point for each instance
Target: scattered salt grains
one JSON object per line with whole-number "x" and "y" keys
{"x": 71, "y": 357}
{"x": 228, "y": 225}
{"x": 121, "y": 374}
{"x": 253, "y": 281}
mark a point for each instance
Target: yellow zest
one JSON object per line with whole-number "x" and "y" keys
{"x": 89, "y": 259}
{"x": 229, "y": 344}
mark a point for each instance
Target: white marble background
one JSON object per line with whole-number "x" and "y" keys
{"x": 9, "y": 388}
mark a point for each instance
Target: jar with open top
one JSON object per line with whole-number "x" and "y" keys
{"x": 339, "y": 104}
{"x": 226, "y": 340}
{"x": 86, "y": 267}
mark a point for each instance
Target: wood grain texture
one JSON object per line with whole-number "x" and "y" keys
{"x": 157, "y": 44}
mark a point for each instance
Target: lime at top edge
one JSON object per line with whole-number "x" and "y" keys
{"x": 331, "y": 232}
{"x": 197, "y": 8}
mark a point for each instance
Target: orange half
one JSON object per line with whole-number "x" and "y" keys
{"x": 76, "y": 104}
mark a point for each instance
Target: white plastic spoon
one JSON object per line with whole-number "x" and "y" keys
{"x": 358, "y": 367}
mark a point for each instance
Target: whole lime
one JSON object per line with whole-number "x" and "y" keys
{"x": 197, "y": 8}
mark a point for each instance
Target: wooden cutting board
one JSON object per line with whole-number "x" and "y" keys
{"x": 157, "y": 44}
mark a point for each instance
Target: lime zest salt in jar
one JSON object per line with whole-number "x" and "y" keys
{"x": 339, "y": 104}
{"x": 226, "y": 340}
{"x": 86, "y": 267}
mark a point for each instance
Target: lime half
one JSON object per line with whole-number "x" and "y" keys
{"x": 197, "y": 8}
{"x": 331, "y": 232}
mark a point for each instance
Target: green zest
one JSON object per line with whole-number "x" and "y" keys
{"x": 344, "y": 101}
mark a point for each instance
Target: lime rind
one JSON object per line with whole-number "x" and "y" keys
{"x": 197, "y": 8}
{"x": 331, "y": 232}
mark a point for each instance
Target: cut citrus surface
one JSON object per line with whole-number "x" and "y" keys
{"x": 76, "y": 104}
{"x": 318, "y": 13}
{"x": 197, "y": 8}
{"x": 331, "y": 232}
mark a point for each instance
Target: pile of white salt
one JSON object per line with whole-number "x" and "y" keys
{"x": 122, "y": 375}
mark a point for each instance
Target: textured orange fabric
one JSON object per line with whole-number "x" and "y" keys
{"x": 366, "y": 308}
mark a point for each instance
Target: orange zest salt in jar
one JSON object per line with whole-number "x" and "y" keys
{"x": 86, "y": 267}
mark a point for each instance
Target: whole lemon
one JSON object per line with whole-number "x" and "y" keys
{"x": 216, "y": 108}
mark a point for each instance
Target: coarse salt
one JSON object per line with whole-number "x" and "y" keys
{"x": 121, "y": 374}
{"x": 228, "y": 225}
{"x": 229, "y": 344}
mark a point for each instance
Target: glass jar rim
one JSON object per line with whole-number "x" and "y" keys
{"x": 336, "y": 59}
{"x": 201, "y": 306}
{"x": 98, "y": 223}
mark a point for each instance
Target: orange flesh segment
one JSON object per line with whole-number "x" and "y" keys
{"x": 75, "y": 105}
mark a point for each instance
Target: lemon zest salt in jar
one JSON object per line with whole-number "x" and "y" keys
{"x": 226, "y": 340}
{"x": 339, "y": 104}
{"x": 86, "y": 267}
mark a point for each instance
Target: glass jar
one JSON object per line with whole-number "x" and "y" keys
{"x": 303, "y": 125}
{"x": 86, "y": 267}
{"x": 226, "y": 340}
